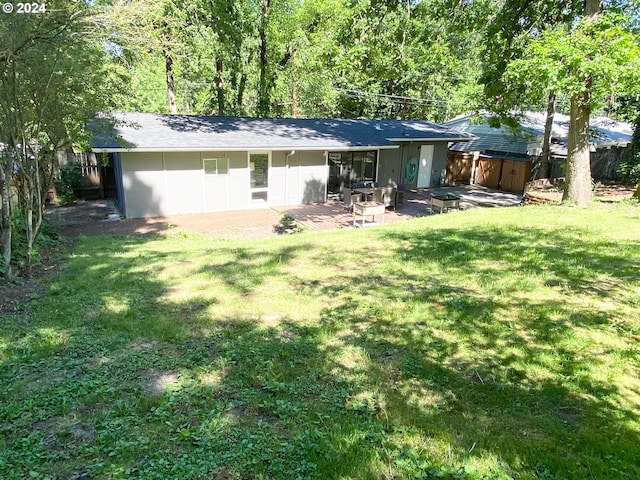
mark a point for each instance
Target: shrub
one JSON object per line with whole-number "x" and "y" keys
{"x": 48, "y": 237}
{"x": 629, "y": 168}
{"x": 70, "y": 178}
{"x": 288, "y": 225}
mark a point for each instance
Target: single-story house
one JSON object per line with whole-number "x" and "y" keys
{"x": 175, "y": 164}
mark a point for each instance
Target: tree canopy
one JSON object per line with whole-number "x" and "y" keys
{"x": 577, "y": 50}
{"x": 314, "y": 58}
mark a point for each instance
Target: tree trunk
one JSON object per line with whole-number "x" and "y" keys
{"x": 611, "y": 105}
{"x": 636, "y": 194}
{"x": 592, "y": 7}
{"x": 171, "y": 89}
{"x": 28, "y": 222}
{"x": 294, "y": 100}
{"x": 577, "y": 190}
{"x": 545, "y": 158}
{"x": 240, "y": 96}
{"x": 263, "y": 85}
{"x": 294, "y": 91}
{"x": 5, "y": 220}
{"x": 220, "y": 86}
{"x": 36, "y": 187}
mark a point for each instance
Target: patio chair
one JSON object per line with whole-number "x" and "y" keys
{"x": 389, "y": 197}
{"x": 349, "y": 198}
{"x": 399, "y": 200}
{"x": 378, "y": 194}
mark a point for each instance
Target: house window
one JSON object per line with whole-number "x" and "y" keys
{"x": 215, "y": 166}
{"x": 259, "y": 168}
{"x": 347, "y": 168}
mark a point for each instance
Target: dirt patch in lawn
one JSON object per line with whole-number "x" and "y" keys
{"x": 606, "y": 192}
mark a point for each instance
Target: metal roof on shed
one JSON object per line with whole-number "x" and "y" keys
{"x": 604, "y": 132}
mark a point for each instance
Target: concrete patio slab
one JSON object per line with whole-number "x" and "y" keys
{"x": 417, "y": 203}
{"x": 97, "y": 218}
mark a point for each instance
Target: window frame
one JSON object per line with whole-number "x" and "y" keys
{"x": 218, "y": 161}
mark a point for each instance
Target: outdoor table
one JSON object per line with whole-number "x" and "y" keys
{"x": 367, "y": 208}
{"x": 366, "y": 191}
{"x": 445, "y": 202}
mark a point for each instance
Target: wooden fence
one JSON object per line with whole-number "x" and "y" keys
{"x": 464, "y": 168}
{"x": 98, "y": 179}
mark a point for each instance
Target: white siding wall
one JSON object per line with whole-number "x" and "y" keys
{"x": 184, "y": 186}
{"x": 228, "y": 191}
{"x": 143, "y": 181}
{"x": 278, "y": 178}
{"x": 171, "y": 183}
{"x": 306, "y": 178}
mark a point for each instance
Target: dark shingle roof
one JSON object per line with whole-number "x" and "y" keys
{"x": 153, "y": 132}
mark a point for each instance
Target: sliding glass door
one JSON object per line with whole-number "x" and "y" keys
{"x": 347, "y": 168}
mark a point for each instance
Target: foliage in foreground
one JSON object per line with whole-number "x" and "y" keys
{"x": 52, "y": 81}
{"x": 489, "y": 344}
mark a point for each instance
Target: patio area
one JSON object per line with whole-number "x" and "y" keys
{"x": 100, "y": 217}
{"x": 417, "y": 203}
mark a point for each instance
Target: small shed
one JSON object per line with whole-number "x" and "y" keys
{"x": 506, "y": 171}
{"x": 492, "y": 169}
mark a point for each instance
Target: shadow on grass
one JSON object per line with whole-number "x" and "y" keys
{"x": 573, "y": 262}
{"x": 248, "y": 268}
{"x": 404, "y": 375}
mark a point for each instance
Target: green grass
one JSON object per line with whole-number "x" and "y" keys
{"x": 494, "y": 343}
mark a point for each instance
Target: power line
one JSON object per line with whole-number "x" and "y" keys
{"x": 394, "y": 98}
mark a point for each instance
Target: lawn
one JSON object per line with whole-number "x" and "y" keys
{"x": 486, "y": 344}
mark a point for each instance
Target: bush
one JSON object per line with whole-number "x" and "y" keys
{"x": 48, "y": 237}
{"x": 288, "y": 225}
{"x": 70, "y": 178}
{"x": 629, "y": 169}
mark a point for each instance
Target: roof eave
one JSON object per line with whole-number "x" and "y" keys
{"x": 244, "y": 149}
{"x": 444, "y": 139}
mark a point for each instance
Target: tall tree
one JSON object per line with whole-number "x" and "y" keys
{"x": 221, "y": 50}
{"x": 314, "y": 57}
{"x": 303, "y": 46}
{"x": 507, "y": 37}
{"x": 50, "y": 85}
{"x": 578, "y": 172}
{"x": 264, "y": 82}
{"x": 570, "y": 49}
{"x": 409, "y": 59}
{"x": 597, "y": 56}
{"x": 141, "y": 28}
